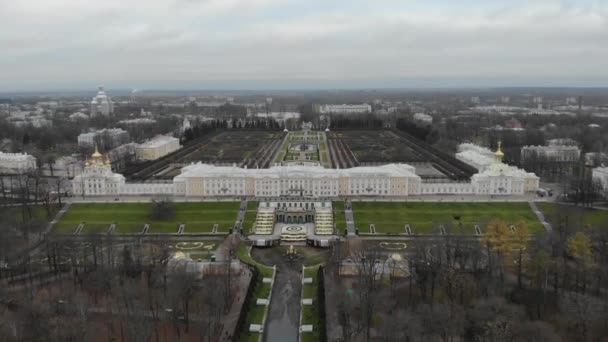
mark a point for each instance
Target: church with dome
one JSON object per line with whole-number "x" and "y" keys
{"x": 306, "y": 181}
{"x": 101, "y": 104}
{"x": 97, "y": 178}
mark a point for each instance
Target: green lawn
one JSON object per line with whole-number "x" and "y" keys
{"x": 337, "y": 205}
{"x": 324, "y": 154}
{"x": 339, "y": 219}
{"x": 131, "y": 217}
{"x": 425, "y": 218}
{"x": 584, "y": 217}
{"x": 310, "y": 313}
{"x": 250, "y": 214}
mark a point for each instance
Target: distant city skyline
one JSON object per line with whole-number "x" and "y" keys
{"x": 275, "y": 44}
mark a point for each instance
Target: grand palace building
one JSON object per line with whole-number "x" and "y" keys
{"x": 308, "y": 181}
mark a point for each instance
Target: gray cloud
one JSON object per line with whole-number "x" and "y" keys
{"x": 148, "y": 43}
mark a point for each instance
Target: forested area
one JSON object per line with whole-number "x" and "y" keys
{"x": 507, "y": 286}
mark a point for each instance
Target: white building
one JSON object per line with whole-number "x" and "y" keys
{"x": 101, "y": 104}
{"x": 423, "y": 118}
{"x": 97, "y": 179}
{"x": 137, "y": 122}
{"x": 554, "y": 152}
{"x": 344, "y": 108}
{"x": 16, "y": 162}
{"x": 67, "y": 166}
{"x": 391, "y": 180}
{"x": 108, "y": 138}
{"x": 495, "y": 177}
{"x": 601, "y": 174}
{"x": 34, "y": 118}
{"x": 310, "y": 181}
{"x": 78, "y": 116}
{"x": 122, "y": 155}
{"x": 156, "y": 148}
{"x": 477, "y": 156}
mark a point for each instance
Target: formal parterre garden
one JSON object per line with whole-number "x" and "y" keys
{"x": 198, "y": 217}
{"x": 378, "y": 146}
{"x": 426, "y": 218}
{"x": 311, "y": 136}
{"x": 288, "y": 153}
{"x": 584, "y": 217}
{"x": 231, "y": 147}
{"x": 324, "y": 154}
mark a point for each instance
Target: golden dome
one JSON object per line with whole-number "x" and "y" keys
{"x": 96, "y": 155}
{"x": 499, "y": 154}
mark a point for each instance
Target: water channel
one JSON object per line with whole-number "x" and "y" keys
{"x": 284, "y": 313}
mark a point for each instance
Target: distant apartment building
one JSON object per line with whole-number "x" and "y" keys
{"x": 345, "y": 108}
{"x": 105, "y": 139}
{"x": 122, "y": 155}
{"x": 513, "y": 124}
{"x": 37, "y": 121}
{"x": 16, "y": 162}
{"x": 78, "y": 116}
{"x": 552, "y": 162}
{"x": 596, "y": 158}
{"x": 556, "y": 153}
{"x": 562, "y": 142}
{"x": 423, "y": 118}
{"x": 137, "y": 122}
{"x": 35, "y": 118}
{"x": 101, "y": 104}
{"x": 601, "y": 174}
{"x": 157, "y": 147}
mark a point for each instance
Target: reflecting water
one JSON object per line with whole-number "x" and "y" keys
{"x": 284, "y": 314}
{"x": 282, "y": 329}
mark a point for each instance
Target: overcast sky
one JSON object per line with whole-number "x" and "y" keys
{"x": 264, "y": 44}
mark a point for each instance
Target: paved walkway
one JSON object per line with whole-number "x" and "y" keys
{"x": 222, "y": 253}
{"x": 540, "y": 216}
{"x": 350, "y": 220}
{"x": 36, "y": 245}
{"x": 240, "y": 216}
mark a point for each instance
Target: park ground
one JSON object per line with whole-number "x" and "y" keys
{"x": 388, "y": 217}
{"x": 583, "y": 217}
{"x": 199, "y": 217}
{"x": 425, "y": 217}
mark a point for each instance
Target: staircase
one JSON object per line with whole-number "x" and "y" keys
{"x": 324, "y": 222}
{"x": 264, "y": 221}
